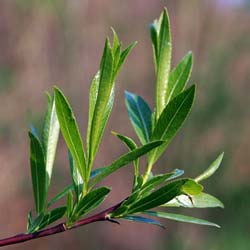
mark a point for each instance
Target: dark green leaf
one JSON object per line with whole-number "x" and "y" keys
{"x": 71, "y": 132}
{"x": 124, "y": 160}
{"x": 182, "y": 218}
{"x": 52, "y": 216}
{"x": 38, "y": 173}
{"x": 70, "y": 204}
{"x": 159, "y": 179}
{"x": 60, "y": 195}
{"x": 179, "y": 77}
{"x": 143, "y": 220}
{"x": 36, "y": 223}
{"x": 158, "y": 197}
{"x": 140, "y": 116}
{"x": 211, "y": 169}
{"x": 91, "y": 201}
{"x": 171, "y": 121}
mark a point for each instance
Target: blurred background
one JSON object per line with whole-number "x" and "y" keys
{"x": 43, "y": 43}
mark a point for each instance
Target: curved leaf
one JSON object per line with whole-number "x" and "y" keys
{"x": 211, "y": 169}
{"x": 70, "y": 132}
{"x": 140, "y": 116}
{"x": 38, "y": 173}
{"x": 179, "y": 77}
{"x": 171, "y": 121}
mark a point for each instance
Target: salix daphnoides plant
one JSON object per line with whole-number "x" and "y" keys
{"x": 155, "y": 130}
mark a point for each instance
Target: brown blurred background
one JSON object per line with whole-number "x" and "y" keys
{"x": 43, "y": 43}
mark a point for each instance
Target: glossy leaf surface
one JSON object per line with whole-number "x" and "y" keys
{"x": 141, "y": 219}
{"x": 71, "y": 132}
{"x": 140, "y": 116}
{"x": 38, "y": 173}
{"x": 171, "y": 121}
{"x": 179, "y": 77}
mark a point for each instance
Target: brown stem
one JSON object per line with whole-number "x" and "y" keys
{"x": 102, "y": 216}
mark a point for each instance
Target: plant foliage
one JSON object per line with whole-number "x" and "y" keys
{"x": 155, "y": 128}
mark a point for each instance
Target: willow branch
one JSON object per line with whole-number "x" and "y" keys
{"x": 62, "y": 227}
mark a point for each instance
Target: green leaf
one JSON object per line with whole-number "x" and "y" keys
{"x": 159, "y": 179}
{"x": 211, "y": 169}
{"x": 179, "y": 77}
{"x": 100, "y": 101}
{"x": 171, "y": 121}
{"x": 201, "y": 200}
{"x": 30, "y": 220}
{"x": 38, "y": 173}
{"x": 141, "y": 219}
{"x": 94, "y": 90}
{"x": 123, "y": 56}
{"x": 71, "y": 132}
{"x": 158, "y": 197}
{"x": 76, "y": 177}
{"x": 124, "y": 160}
{"x": 60, "y": 195}
{"x": 35, "y": 224}
{"x": 52, "y": 216}
{"x": 182, "y": 218}
{"x": 50, "y": 138}
{"x": 191, "y": 187}
{"x": 91, "y": 201}
{"x": 70, "y": 204}
{"x": 140, "y": 116}
{"x": 161, "y": 39}
{"x": 131, "y": 145}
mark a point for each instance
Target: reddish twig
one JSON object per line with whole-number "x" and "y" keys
{"x": 62, "y": 227}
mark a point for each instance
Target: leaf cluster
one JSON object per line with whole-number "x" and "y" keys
{"x": 155, "y": 129}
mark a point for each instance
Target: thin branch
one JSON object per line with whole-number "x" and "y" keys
{"x": 102, "y": 216}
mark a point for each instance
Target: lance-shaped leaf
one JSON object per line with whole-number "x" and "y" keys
{"x": 201, "y": 200}
{"x": 161, "y": 39}
{"x": 76, "y": 177}
{"x": 38, "y": 173}
{"x": 179, "y": 77}
{"x": 141, "y": 219}
{"x": 96, "y": 93}
{"x": 99, "y": 101}
{"x": 159, "y": 179}
{"x": 51, "y": 217}
{"x": 50, "y": 138}
{"x": 131, "y": 145}
{"x": 181, "y": 218}
{"x": 91, "y": 201}
{"x": 140, "y": 116}
{"x": 124, "y": 160}
{"x": 35, "y": 224}
{"x": 158, "y": 197}
{"x": 70, "y": 132}
{"x": 211, "y": 169}
{"x": 70, "y": 204}
{"x": 123, "y": 56}
{"x": 171, "y": 121}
